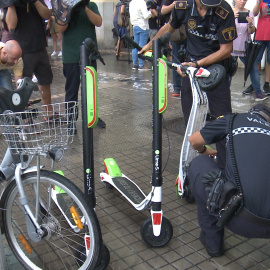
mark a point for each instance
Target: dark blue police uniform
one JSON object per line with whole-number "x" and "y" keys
{"x": 251, "y": 137}
{"x": 204, "y": 36}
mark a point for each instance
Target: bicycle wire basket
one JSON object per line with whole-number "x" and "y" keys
{"x": 37, "y": 130}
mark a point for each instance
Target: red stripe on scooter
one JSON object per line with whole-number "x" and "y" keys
{"x": 106, "y": 169}
{"x": 157, "y": 218}
{"x": 199, "y": 72}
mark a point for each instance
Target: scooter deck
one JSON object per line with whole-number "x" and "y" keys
{"x": 196, "y": 121}
{"x": 128, "y": 189}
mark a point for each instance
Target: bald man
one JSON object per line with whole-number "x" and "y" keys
{"x": 10, "y": 60}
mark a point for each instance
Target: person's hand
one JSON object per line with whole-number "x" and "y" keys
{"x": 236, "y": 14}
{"x": 210, "y": 152}
{"x": 145, "y": 48}
{"x": 249, "y": 20}
{"x": 190, "y": 64}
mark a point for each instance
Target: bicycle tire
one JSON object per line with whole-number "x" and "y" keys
{"x": 57, "y": 250}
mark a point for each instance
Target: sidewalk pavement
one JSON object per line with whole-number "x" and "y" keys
{"x": 125, "y": 105}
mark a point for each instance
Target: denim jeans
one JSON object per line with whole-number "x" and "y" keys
{"x": 5, "y": 79}
{"x": 140, "y": 37}
{"x": 265, "y": 44}
{"x": 254, "y": 76}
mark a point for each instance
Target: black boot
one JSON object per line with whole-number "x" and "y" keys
{"x": 249, "y": 90}
{"x": 266, "y": 89}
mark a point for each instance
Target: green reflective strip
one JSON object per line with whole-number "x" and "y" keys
{"x": 91, "y": 96}
{"x": 162, "y": 85}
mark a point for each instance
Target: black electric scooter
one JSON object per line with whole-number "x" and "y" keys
{"x": 89, "y": 102}
{"x": 156, "y": 231}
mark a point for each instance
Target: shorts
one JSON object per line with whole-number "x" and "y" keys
{"x": 38, "y": 63}
{"x": 53, "y": 27}
{"x": 122, "y": 31}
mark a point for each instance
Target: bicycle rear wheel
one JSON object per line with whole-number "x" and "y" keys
{"x": 65, "y": 245}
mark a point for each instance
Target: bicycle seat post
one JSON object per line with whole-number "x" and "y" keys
{"x": 52, "y": 165}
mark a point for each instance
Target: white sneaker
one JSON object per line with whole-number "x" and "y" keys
{"x": 53, "y": 53}
{"x": 60, "y": 54}
{"x": 144, "y": 68}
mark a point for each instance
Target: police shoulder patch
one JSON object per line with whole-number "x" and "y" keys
{"x": 229, "y": 33}
{"x": 181, "y": 5}
{"x": 222, "y": 12}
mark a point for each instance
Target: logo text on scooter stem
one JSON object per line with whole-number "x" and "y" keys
{"x": 88, "y": 180}
{"x": 157, "y": 160}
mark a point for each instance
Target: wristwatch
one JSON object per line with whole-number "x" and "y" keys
{"x": 201, "y": 152}
{"x": 196, "y": 63}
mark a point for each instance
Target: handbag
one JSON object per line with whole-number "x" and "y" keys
{"x": 179, "y": 35}
{"x": 122, "y": 19}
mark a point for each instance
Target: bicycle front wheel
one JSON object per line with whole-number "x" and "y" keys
{"x": 71, "y": 234}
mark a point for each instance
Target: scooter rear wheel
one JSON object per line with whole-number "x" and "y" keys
{"x": 156, "y": 241}
{"x": 104, "y": 258}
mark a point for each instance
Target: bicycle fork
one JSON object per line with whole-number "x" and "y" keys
{"x": 35, "y": 231}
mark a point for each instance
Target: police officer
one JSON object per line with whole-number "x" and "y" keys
{"x": 210, "y": 28}
{"x": 248, "y": 157}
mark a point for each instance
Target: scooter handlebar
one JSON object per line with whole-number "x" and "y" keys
{"x": 173, "y": 65}
{"x": 138, "y": 47}
{"x": 91, "y": 46}
{"x": 132, "y": 42}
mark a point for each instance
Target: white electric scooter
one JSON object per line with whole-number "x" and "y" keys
{"x": 202, "y": 80}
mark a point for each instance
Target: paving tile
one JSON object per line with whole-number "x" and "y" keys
{"x": 182, "y": 264}
{"x": 157, "y": 262}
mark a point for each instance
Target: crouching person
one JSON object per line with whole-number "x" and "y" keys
{"x": 238, "y": 197}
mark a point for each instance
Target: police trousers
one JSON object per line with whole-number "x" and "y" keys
{"x": 238, "y": 224}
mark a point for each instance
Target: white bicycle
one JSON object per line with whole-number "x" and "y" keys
{"x": 45, "y": 219}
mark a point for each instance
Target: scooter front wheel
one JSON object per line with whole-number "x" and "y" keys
{"x": 156, "y": 241}
{"x": 187, "y": 192}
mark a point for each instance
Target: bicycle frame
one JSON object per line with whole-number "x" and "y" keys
{"x": 11, "y": 172}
